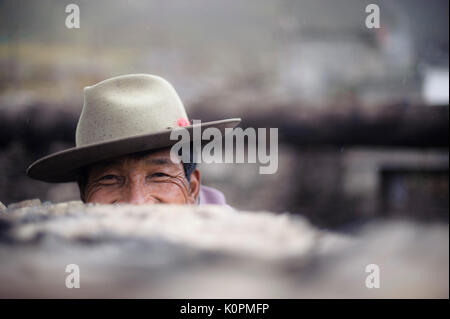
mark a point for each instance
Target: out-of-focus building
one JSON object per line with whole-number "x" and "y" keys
{"x": 362, "y": 113}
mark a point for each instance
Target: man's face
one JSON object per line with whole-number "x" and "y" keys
{"x": 148, "y": 179}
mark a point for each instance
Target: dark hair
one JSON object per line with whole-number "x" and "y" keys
{"x": 191, "y": 165}
{"x": 83, "y": 172}
{"x": 189, "y": 168}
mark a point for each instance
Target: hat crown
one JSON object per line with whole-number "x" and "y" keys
{"x": 127, "y": 106}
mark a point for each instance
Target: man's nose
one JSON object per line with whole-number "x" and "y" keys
{"x": 138, "y": 195}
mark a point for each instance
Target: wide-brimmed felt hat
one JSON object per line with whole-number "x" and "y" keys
{"x": 122, "y": 115}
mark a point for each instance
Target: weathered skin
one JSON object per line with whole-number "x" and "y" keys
{"x": 151, "y": 179}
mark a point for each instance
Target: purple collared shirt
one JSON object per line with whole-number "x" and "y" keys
{"x": 211, "y": 196}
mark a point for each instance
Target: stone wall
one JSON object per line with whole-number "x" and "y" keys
{"x": 165, "y": 251}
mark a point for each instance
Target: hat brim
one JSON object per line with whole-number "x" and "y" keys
{"x": 64, "y": 166}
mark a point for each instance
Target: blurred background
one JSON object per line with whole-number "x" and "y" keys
{"x": 362, "y": 113}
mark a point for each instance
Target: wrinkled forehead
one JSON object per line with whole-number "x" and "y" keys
{"x": 149, "y": 158}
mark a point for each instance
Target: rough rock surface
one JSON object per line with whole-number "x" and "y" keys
{"x": 165, "y": 251}
{"x": 25, "y": 203}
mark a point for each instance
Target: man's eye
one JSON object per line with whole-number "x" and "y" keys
{"x": 159, "y": 174}
{"x": 108, "y": 178}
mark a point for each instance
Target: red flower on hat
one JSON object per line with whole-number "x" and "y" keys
{"x": 183, "y": 122}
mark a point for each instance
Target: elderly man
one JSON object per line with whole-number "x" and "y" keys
{"x": 122, "y": 152}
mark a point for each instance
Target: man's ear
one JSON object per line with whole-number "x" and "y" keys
{"x": 194, "y": 187}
